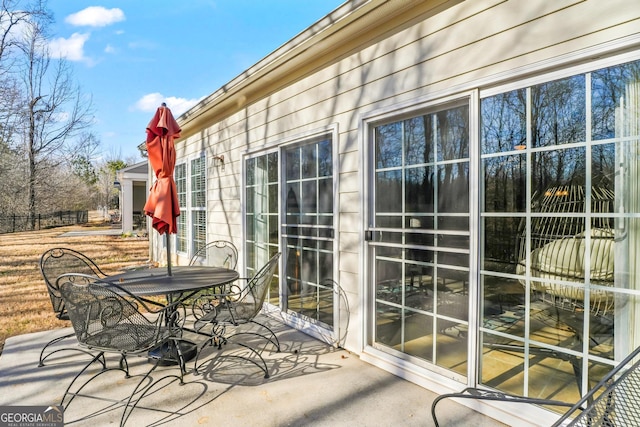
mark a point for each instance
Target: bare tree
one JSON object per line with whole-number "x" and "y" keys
{"x": 53, "y": 112}
{"x": 14, "y": 15}
{"x": 106, "y": 177}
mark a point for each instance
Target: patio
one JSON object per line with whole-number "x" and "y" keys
{"x": 311, "y": 383}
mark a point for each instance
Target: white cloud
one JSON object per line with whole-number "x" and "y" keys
{"x": 71, "y": 48}
{"x": 150, "y": 102}
{"x": 109, "y": 49}
{"x": 95, "y": 16}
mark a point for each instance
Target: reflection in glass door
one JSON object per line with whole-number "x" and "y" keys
{"x": 559, "y": 215}
{"x": 309, "y": 231}
{"x": 419, "y": 237}
{"x": 262, "y": 190}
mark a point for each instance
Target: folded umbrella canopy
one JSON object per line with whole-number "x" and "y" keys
{"x": 162, "y": 205}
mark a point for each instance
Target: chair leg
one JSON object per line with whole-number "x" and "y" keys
{"x": 129, "y": 407}
{"x": 254, "y": 351}
{"x": 97, "y": 357}
{"x": 213, "y": 339}
{"x": 262, "y": 364}
{"x": 273, "y": 339}
{"x": 44, "y": 357}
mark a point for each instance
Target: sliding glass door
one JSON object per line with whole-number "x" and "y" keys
{"x": 418, "y": 237}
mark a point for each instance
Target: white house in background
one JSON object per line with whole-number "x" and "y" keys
{"x": 134, "y": 187}
{"x": 466, "y": 171}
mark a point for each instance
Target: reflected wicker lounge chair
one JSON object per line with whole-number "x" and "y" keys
{"x": 558, "y": 248}
{"x": 554, "y": 253}
{"x": 53, "y": 263}
{"x": 239, "y": 306}
{"x": 108, "y": 319}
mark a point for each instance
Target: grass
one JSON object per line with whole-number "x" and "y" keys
{"x": 24, "y": 302}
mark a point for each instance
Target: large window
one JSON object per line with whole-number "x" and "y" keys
{"x": 560, "y": 216}
{"x": 180, "y": 174}
{"x": 191, "y": 185}
{"x": 198, "y": 205}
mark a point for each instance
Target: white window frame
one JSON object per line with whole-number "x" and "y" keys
{"x": 187, "y": 209}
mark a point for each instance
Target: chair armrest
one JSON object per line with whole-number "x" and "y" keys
{"x": 229, "y": 291}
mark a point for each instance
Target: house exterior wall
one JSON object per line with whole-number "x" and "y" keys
{"x": 448, "y": 48}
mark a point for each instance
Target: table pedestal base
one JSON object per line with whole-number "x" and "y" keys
{"x": 187, "y": 348}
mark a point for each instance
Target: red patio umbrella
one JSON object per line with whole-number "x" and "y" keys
{"x": 162, "y": 205}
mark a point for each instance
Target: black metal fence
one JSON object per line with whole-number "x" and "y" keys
{"x": 14, "y": 223}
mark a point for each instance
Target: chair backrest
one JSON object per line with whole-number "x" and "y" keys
{"x": 253, "y": 296}
{"x": 105, "y": 316}
{"x": 57, "y": 261}
{"x": 219, "y": 253}
{"x": 614, "y": 401}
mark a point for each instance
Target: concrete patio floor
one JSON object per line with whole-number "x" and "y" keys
{"x": 311, "y": 384}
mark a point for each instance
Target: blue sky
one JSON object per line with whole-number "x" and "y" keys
{"x": 131, "y": 55}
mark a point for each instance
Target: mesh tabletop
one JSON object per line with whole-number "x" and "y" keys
{"x": 156, "y": 281}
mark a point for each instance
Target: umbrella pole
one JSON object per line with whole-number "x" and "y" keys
{"x": 168, "y": 254}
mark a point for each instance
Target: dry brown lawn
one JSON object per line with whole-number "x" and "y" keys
{"x": 24, "y": 302}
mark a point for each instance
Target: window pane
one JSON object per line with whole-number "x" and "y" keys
{"x": 309, "y": 197}
{"x": 293, "y": 164}
{"x": 553, "y": 173}
{"x": 308, "y": 158}
{"x": 419, "y": 189}
{"x": 389, "y": 191}
{"x": 611, "y": 91}
{"x": 388, "y": 145}
{"x": 198, "y": 183}
{"x": 272, "y": 167}
{"x": 181, "y": 238}
{"x": 250, "y": 166}
{"x": 199, "y": 230}
{"x": 453, "y": 133}
{"x": 505, "y": 183}
{"x": 453, "y": 184}
{"x": 181, "y": 184}
{"x": 501, "y": 243}
{"x": 325, "y": 158}
{"x": 325, "y": 196}
{"x": 418, "y": 149}
{"x": 504, "y": 122}
{"x": 558, "y": 112}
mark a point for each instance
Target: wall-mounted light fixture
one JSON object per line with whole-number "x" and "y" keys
{"x": 116, "y": 184}
{"x": 218, "y": 161}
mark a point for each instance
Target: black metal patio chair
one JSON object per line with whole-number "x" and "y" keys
{"x": 108, "y": 319}
{"x": 239, "y": 305}
{"x": 613, "y": 401}
{"x": 53, "y": 263}
{"x": 219, "y": 253}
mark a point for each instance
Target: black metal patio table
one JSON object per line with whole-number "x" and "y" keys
{"x": 183, "y": 283}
